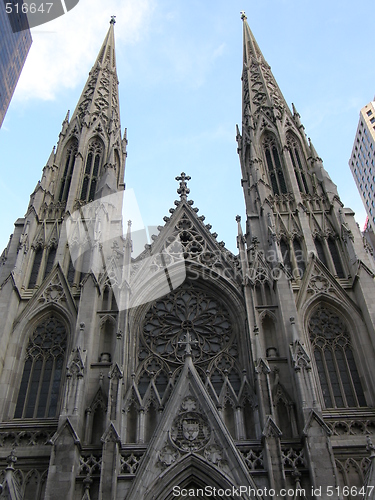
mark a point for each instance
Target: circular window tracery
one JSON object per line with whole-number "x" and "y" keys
{"x": 191, "y": 310}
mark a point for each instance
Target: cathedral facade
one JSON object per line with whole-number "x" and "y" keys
{"x": 187, "y": 371}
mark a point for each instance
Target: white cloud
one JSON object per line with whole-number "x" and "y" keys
{"x": 64, "y": 49}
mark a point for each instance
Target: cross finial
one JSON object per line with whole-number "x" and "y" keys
{"x": 188, "y": 342}
{"x": 183, "y": 190}
{"x": 243, "y": 15}
{"x": 113, "y": 20}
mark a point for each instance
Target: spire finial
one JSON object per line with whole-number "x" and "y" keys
{"x": 113, "y": 20}
{"x": 183, "y": 190}
{"x": 243, "y": 15}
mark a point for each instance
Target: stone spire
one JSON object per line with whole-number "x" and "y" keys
{"x": 99, "y": 98}
{"x": 261, "y": 94}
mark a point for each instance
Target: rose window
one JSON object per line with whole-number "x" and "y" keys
{"x": 191, "y": 316}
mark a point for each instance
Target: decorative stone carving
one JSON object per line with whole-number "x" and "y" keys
{"x": 318, "y": 283}
{"x": 188, "y": 309}
{"x": 190, "y": 431}
{"x": 168, "y": 455}
{"x": 90, "y": 464}
{"x": 129, "y": 462}
{"x": 214, "y": 454}
{"x": 293, "y": 458}
{"x": 352, "y": 427}
{"x": 25, "y": 438}
{"x": 54, "y": 292}
{"x": 253, "y": 459}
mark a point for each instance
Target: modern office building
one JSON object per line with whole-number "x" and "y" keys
{"x": 15, "y": 42}
{"x": 188, "y": 371}
{"x": 362, "y": 160}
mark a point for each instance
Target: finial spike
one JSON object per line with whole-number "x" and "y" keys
{"x": 243, "y": 15}
{"x": 113, "y": 20}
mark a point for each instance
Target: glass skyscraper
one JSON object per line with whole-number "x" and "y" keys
{"x": 15, "y": 42}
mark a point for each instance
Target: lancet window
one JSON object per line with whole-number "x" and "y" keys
{"x": 293, "y": 257}
{"x": 274, "y": 165}
{"x": 71, "y": 272}
{"x": 70, "y": 158}
{"x": 320, "y": 251}
{"x": 92, "y": 169}
{"x": 285, "y": 253}
{"x": 299, "y": 257}
{"x": 334, "y": 358}
{"x": 296, "y": 157}
{"x": 39, "y": 391}
{"x": 50, "y": 261}
{"x": 38, "y": 255}
{"x": 334, "y": 251}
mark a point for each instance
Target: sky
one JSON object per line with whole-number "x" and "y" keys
{"x": 179, "y": 64}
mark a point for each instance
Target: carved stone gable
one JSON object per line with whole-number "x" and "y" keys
{"x": 54, "y": 292}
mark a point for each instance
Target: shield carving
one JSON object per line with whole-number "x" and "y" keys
{"x": 190, "y": 428}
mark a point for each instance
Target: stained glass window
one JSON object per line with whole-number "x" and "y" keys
{"x": 274, "y": 166}
{"x": 39, "y": 391}
{"x": 92, "y": 168}
{"x": 334, "y": 358}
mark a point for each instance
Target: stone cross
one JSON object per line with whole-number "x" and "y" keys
{"x": 183, "y": 190}
{"x": 188, "y": 342}
{"x": 113, "y": 20}
{"x": 243, "y": 15}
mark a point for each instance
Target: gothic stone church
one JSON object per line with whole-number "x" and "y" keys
{"x": 128, "y": 382}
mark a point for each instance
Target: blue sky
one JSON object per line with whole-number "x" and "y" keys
{"x": 179, "y": 65}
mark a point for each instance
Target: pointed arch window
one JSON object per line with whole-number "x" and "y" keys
{"x": 285, "y": 252}
{"x": 38, "y": 255}
{"x": 299, "y": 170}
{"x": 334, "y": 251}
{"x": 70, "y": 158}
{"x": 39, "y": 391}
{"x": 300, "y": 260}
{"x": 92, "y": 169}
{"x": 320, "y": 251}
{"x": 50, "y": 261}
{"x": 71, "y": 272}
{"x": 274, "y": 165}
{"x": 333, "y": 352}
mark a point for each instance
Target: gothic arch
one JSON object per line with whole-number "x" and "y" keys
{"x": 38, "y": 391}
{"x": 297, "y": 158}
{"x": 16, "y": 353}
{"x": 218, "y": 290}
{"x": 93, "y": 163}
{"x": 334, "y": 350}
{"x": 192, "y": 470}
{"x": 268, "y": 322}
{"x": 96, "y": 418}
{"x": 214, "y": 317}
{"x": 285, "y": 413}
{"x": 68, "y": 160}
{"x": 107, "y": 337}
{"x": 274, "y": 163}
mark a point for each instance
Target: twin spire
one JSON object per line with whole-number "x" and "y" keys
{"x": 261, "y": 94}
{"x": 99, "y": 98}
